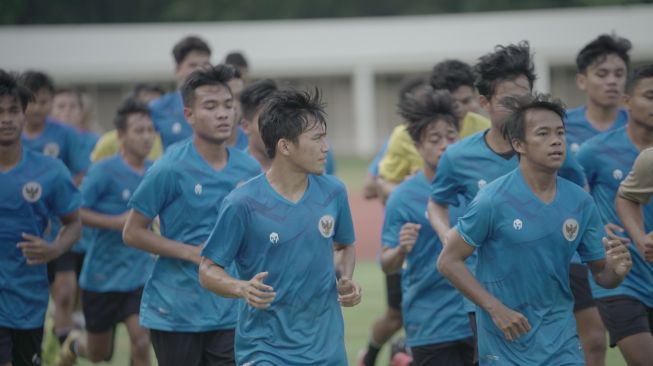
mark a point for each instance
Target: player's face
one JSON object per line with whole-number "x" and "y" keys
{"x": 435, "y": 138}
{"x": 237, "y": 86}
{"x": 640, "y": 103}
{"x": 604, "y": 81}
{"x": 309, "y": 153}
{"x": 38, "y": 109}
{"x": 66, "y": 108}
{"x": 139, "y": 136}
{"x": 465, "y": 101}
{"x": 212, "y": 114}
{"x": 11, "y": 120}
{"x": 508, "y": 88}
{"x": 544, "y": 143}
{"x": 195, "y": 60}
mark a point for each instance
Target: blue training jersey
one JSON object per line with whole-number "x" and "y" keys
{"x": 88, "y": 141}
{"x": 62, "y": 142}
{"x": 111, "y": 265}
{"x": 186, "y": 193}
{"x": 36, "y": 189}
{"x": 607, "y": 160}
{"x": 242, "y": 141}
{"x": 432, "y": 309}
{"x": 524, "y": 249}
{"x": 168, "y": 117}
{"x": 579, "y": 129}
{"x": 261, "y": 231}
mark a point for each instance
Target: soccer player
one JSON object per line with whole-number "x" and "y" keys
{"x": 252, "y": 100}
{"x": 190, "y": 54}
{"x": 280, "y": 229}
{"x": 34, "y": 189}
{"x": 438, "y": 331}
{"x": 113, "y": 274}
{"x": 238, "y": 60}
{"x": 526, "y": 226}
{"x": 185, "y": 188}
{"x": 238, "y": 137}
{"x": 607, "y": 159}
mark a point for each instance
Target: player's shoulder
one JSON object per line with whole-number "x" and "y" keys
{"x": 467, "y": 146}
{"x": 250, "y": 190}
{"x": 575, "y": 115}
{"x": 56, "y": 126}
{"x": 599, "y": 141}
{"x": 243, "y": 160}
{"x": 43, "y": 164}
{"x": 416, "y": 184}
{"x": 328, "y": 182}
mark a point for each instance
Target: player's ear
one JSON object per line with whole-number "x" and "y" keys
{"x": 283, "y": 147}
{"x": 484, "y": 102}
{"x": 188, "y": 114}
{"x": 581, "y": 81}
{"x": 518, "y": 146}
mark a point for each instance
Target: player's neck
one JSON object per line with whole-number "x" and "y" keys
{"x": 34, "y": 129}
{"x": 600, "y": 117}
{"x": 496, "y": 142}
{"x": 641, "y": 136}
{"x": 542, "y": 182}
{"x": 10, "y": 155}
{"x": 260, "y": 156}
{"x": 134, "y": 161}
{"x": 215, "y": 154}
{"x": 429, "y": 172}
{"x": 288, "y": 182}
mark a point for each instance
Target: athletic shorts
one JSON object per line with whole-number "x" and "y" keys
{"x": 458, "y": 353}
{"x": 393, "y": 287}
{"x": 103, "y": 310}
{"x": 580, "y": 287}
{"x": 21, "y": 347}
{"x": 68, "y": 261}
{"x": 214, "y": 348}
{"x": 624, "y": 316}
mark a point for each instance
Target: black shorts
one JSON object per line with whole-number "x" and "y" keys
{"x": 103, "y": 310}
{"x": 580, "y": 287}
{"x": 458, "y": 353}
{"x": 214, "y": 348}
{"x": 393, "y": 287}
{"x": 68, "y": 261}
{"x": 624, "y": 316}
{"x": 20, "y": 347}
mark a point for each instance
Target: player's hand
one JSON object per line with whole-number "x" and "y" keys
{"x": 513, "y": 324}
{"x": 617, "y": 256}
{"x": 36, "y": 250}
{"x": 408, "y": 236}
{"x": 256, "y": 293}
{"x": 349, "y": 292}
{"x": 611, "y": 230}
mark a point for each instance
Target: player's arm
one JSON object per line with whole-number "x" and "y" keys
{"x": 439, "y": 218}
{"x": 215, "y": 279}
{"x": 609, "y": 272}
{"x": 136, "y": 233}
{"x": 102, "y": 221}
{"x": 349, "y": 291}
{"x": 393, "y": 258}
{"x": 451, "y": 264}
{"x": 630, "y": 213}
{"x": 39, "y": 251}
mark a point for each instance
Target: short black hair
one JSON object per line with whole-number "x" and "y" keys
{"x": 604, "y": 45}
{"x": 10, "y": 86}
{"x": 287, "y": 114}
{"x": 188, "y": 45}
{"x": 639, "y": 73}
{"x": 451, "y": 75}
{"x": 410, "y": 84}
{"x": 506, "y": 63}
{"x": 237, "y": 59}
{"x": 128, "y": 107}
{"x": 255, "y": 95}
{"x": 422, "y": 109}
{"x": 514, "y": 125}
{"x": 217, "y": 75}
{"x": 36, "y": 80}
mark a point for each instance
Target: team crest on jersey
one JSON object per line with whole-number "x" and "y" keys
{"x": 176, "y": 128}
{"x": 51, "y": 149}
{"x": 517, "y": 224}
{"x": 574, "y": 147}
{"x": 482, "y": 183}
{"x": 326, "y": 226}
{"x": 617, "y": 174}
{"x": 126, "y": 194}
{"x": 32, "y": 191}
{"x": 570, "y": 229}
{"x": 198, "y": 189}
{"x": 274, "y": 238}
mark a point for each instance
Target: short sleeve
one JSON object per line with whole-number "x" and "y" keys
{"x": 65, "y": 196}
{"x": 227, "y": 235}
{"x": 638, "y": 186}
{"x": 344, "y": 230}
{"x": 156, "y": 191}
{"x": 445, "y": 187}
{"x": 92, "y": 186}
{"x": 392, "y": 221}
{"x": 476, "y": 225}
{"x": 590, "y": 247}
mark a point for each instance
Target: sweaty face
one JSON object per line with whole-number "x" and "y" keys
{"x": 465, "y": 101}
{"x": 194, "y": 60}
{"x": 11, "y": 120}
{"x": 38, "y": 109}
{"x": 509, "y": 88}
{"x": 604, "y": 81}
{"x": 435, "y": 138}
{"x": 640, "y": 103}
{"x": 139, "y": 136}
{"x": 67, "y": 108}
{"x": 544, "y": 144}
{"x": 212, "y": 114}
{"x": 309, "y": 153}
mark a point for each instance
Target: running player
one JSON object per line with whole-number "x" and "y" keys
{"x": 438, "y": 331}
{"x": 189, "y": 325}
{"x": 113, "y": 274}
{"x": 281, "y": 228}
{"x": 526, "y": 226}
{"x": 34, "y": 189}
{"x": 607, "y": 159}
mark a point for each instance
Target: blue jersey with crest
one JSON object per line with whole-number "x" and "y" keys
{"x": 524, "y": 249}
{"x": 261, "y": 231}
{"x": 579, "y": 129}
{"x": 186, "y": 193}
{"x": 33, "y": 191}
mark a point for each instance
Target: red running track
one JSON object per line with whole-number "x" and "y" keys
{"x": 368, "y": 219}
